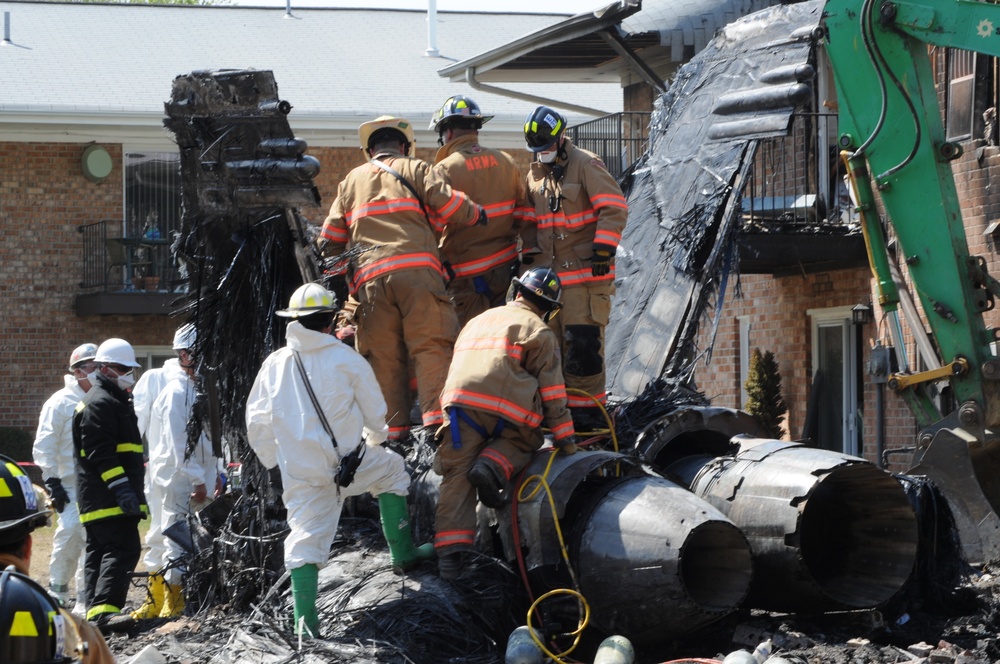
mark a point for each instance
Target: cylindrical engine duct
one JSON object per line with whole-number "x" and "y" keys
{"x": 656, "y": 562}
{"x": 829, "y": 531}
{"x": 652, "y": 559}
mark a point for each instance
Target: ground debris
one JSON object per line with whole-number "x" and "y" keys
{"x": 371, "y": 616}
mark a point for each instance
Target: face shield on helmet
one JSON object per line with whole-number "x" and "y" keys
{"x": 370, "y": 133}
{"x": 542, "y": 129}
{"x": 541, "y": 287}
{"x": 82, "y": 354}
{"x": 309, "y": 299}
{"x": 33, "y": 629}
{"x": 22, "y": 507}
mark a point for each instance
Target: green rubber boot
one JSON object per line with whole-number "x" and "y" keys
{"x": 396, "y": 528}
{"x": 305, "y": 581}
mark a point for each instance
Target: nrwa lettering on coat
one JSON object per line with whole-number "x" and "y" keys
{"x": 484, "y": 161}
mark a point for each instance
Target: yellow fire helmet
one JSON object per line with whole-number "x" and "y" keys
{"x": 375, "y": 128}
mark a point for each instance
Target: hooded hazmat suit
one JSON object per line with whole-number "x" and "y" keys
{"x": 173, "y": 474}
{"x": 284, "y": 431}
{"x": 53, "y": 453}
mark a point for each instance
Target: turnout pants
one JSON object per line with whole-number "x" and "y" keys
{"x": 579, "y": 326}
{"x": 401, "y": 316}
{"x": 474, "y": 295}
{"x": 113, "y": 549}
{"x": 510, "y": 451}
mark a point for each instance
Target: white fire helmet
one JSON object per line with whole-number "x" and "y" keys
{"x": 185, "y": 337}
{"x": 116, "y": 351}
{"x": 308, "y": 299}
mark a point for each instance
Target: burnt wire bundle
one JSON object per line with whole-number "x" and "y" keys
{"x": 243, "y": 249}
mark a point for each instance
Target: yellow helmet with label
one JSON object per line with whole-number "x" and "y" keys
{"x": 372, "y": 131}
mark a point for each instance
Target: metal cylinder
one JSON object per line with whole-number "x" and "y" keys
{"x": 615, "y": 649}
{"x": 282, "y": 147}
{"x": 829, "y": 531}
{"x": 301, "y": 168}
{"x": 650, "y": 550}
{"x": 653, "y": 560}
{"x": 521, "y": 648}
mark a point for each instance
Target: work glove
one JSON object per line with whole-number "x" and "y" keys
{"x": 125, "y": 497}
{"x": 483, "y": 217}
{"x": 600, "y": 262}
{"x": 57, "y": 494}
{"x": 567, "y": 445}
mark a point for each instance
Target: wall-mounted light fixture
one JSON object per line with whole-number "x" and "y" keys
{"x": 96, "y": 163}
{"x": 861, "y": 313}
{"x": 992, "y": 234}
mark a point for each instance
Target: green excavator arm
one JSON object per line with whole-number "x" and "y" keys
{"x": 894, "y": 143}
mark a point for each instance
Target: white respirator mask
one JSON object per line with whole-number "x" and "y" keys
{"x": 126, "y": 381}
{"x": 548, "y": 157}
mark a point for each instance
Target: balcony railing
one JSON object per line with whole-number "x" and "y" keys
{"x": 620, "y": 139}
{"x": 125, "y": 275}
{"x": 797, "y": 182}
{"x": 797, "y": 216}
{"x": 115, "y": 263}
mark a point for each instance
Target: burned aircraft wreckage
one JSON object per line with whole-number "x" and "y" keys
{"x": 680, "y": 517}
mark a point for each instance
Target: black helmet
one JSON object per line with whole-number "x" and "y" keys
{"x": 22, "y": 507}
{"x": 541, "y": 287}
{"x": 32, "y": 627}
{"x": 542, "y": 128}
{"x": 458, "y": 111}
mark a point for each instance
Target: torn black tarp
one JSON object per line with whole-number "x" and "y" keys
{"x": 678, "y": 248}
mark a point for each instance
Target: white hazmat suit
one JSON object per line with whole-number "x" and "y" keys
{"x": 171, "y": 476}
{"x": 53, "y": 453}
{"x": 149, "y": 386}
{"x": 284, "y": 431}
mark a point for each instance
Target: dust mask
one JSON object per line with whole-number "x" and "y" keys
{"x": 92, "y": 377}
{"x": 548, "y": 157}
{"x": 126, "y": 381}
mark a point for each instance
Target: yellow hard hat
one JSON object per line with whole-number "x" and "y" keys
{"x": 385, "y": 122}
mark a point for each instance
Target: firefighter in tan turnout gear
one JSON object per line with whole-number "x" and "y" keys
{"x": 396, "y": 206}
{"x": 578, "y": 213}
{"x": 479, "y": 260}
{"x": 504, "y": 382}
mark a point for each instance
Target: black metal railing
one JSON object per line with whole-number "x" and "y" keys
{"x": 113, "y": 262}
{"x": 797, "y": 181}
{"x": 620, "y": 139}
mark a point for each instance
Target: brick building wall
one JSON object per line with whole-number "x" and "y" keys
{"x": 44, "y": 198}
{"x": 776, "y": 310}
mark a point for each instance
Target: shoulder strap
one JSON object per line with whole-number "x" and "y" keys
{"x": 315, "y": 401}
{"x": 406, "y": 183}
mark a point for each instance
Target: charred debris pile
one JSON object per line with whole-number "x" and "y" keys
{"x": 675, "y": 522}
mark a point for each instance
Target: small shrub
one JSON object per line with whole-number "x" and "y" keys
{"x": 16, "y": 443}
{"x": 764, "y": 399}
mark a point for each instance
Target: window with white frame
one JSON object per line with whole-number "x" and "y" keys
{"x": 152, "y": 357}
